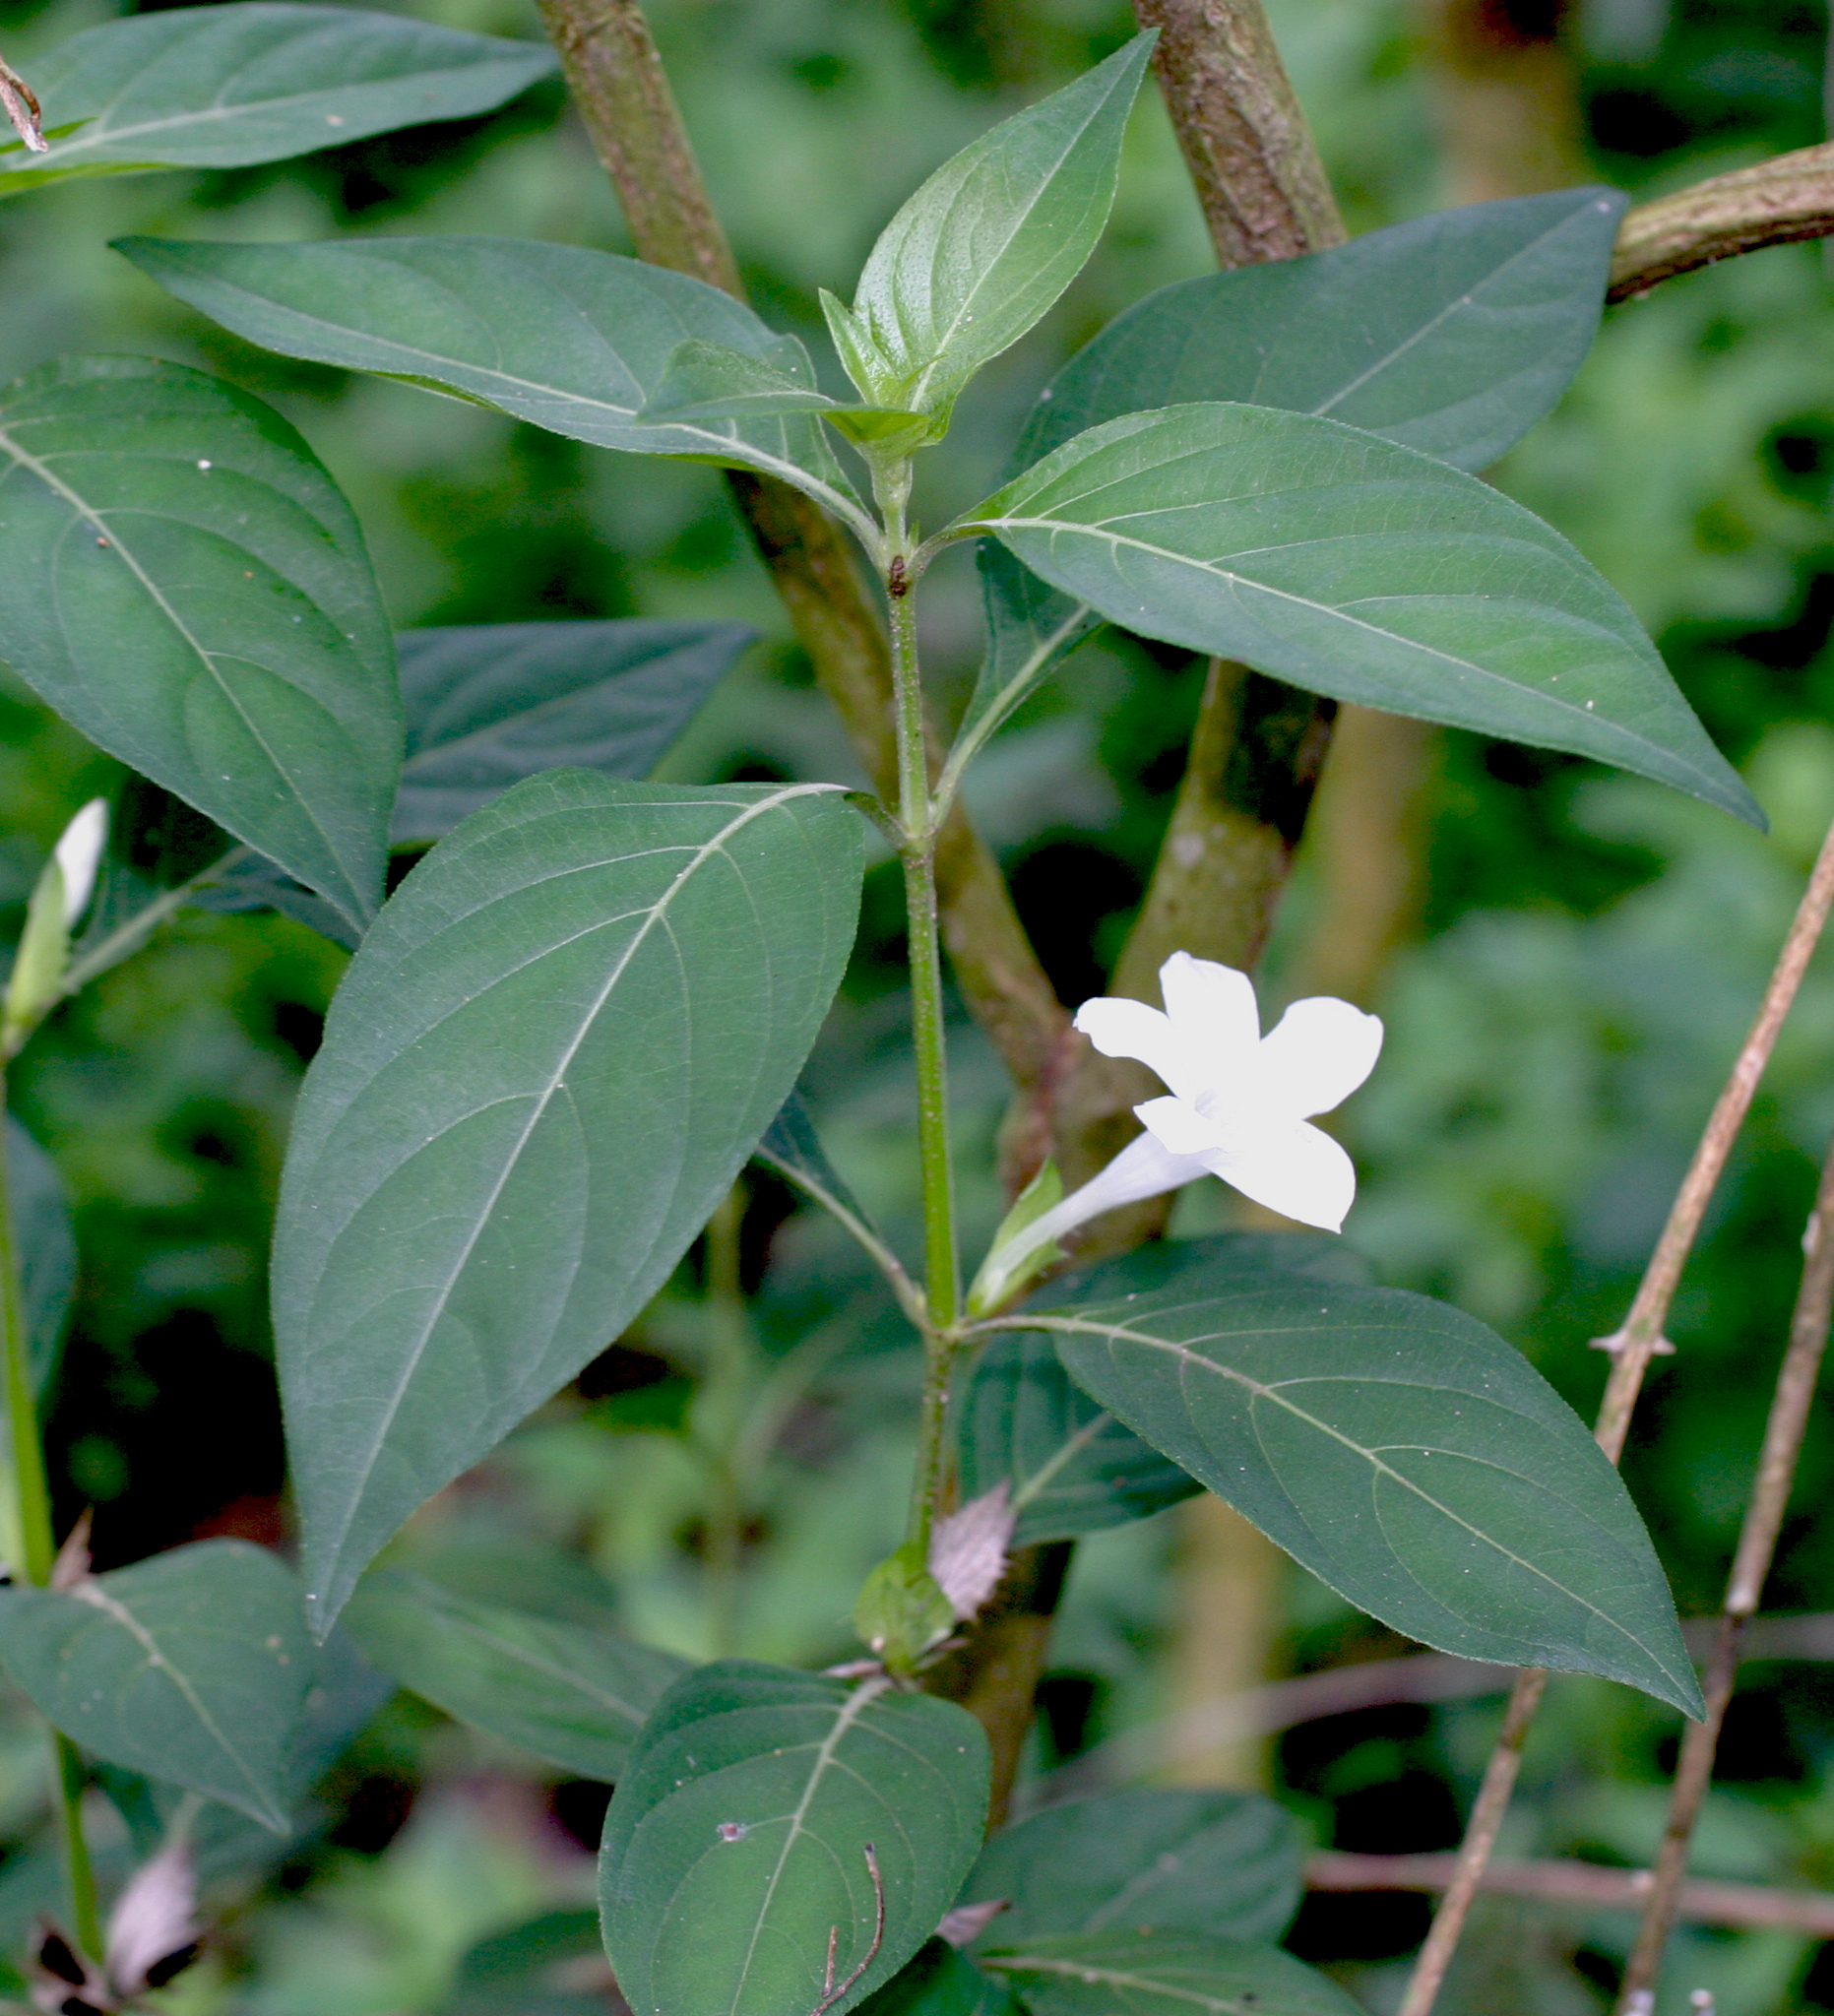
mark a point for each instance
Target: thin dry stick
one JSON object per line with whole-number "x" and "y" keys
{"x": 832, "y": 1995}
{"x": 1745, "y": 1904}
{"x": 1757, "y": 1544}
{"x": 22, "y": 108}
{"x": 1631, "y": 1350}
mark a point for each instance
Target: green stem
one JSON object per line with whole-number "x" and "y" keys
{"x": 729, "y": 1376}
{"x": 32, "y": 1521}
{"x": 942, "y": 1266}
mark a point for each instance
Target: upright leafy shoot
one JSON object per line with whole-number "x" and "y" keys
{"x": 549, "y": 1058}
{"x": 989, "y": 243}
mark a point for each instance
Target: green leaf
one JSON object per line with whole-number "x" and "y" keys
{"x": 493, "y": 703}
{"x": 221, "y": 86}
{"x": 1071, "y": 1467}
{"x": 1120, "y": 1974}
{"x": 738, "y": 1839}
{"x": 1405, "y": 1454}
{"x": 937, "y": 1982}
{"x": 1352, "y": 567}
{"x": 551, "y": 1056}
{"x": 1451, "y": 334}
{"x": 989, "y": 243}
{"x": 566, "y": 338}
{"x": 46, "y": 1246}
{"x": 525, "y": 1971}
{"x": 191, "y": 1667}
{"x": 181, "y": 580}
{"x": 573, "y": 1695}
{"x": 1223, "y": 1863}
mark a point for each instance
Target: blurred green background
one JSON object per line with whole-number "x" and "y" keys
{"x": 1583, "y": 954}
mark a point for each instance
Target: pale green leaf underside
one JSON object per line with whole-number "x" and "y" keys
{"x": 551, "y": 1056}
{"x": 571, "y": 1694}
{"x": 1120, "y": 1974}
{"x": 181, "y": 580}
{"x": 566, "y": 338}
{"x": 1356, "y": 568}
{"x": 493, "y": 703}
{"x": 737, "y": 1838}
{"x": 1406, "y": 1455}
{"x": 191, "y": 1668}
{"x": 995, "y": 236}
{"x": 221, "y": 86}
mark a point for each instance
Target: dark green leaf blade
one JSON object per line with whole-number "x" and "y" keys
{"x": 183, "y": 583}
{"x": 482, "y": 1187}
{"x": 221, "y": 86}
{"x": 1070, "y": 1467}
{"x": 1406, "y": 1455}
{"x": 1121, "y": 1974}
{"x": 1352, "y": 567}
{"x": 737, "y": 1839}
{"x": 936, "y": 1980}
{"x": 191, "y": 1667}
{"x": 46, "y": 1244}
{"x": 993, "y": 237}
{"x": 566, "y": 338}
{"x": 573, "y": 1695}
{"x": 1451, "y": 334}
{"x": 493, "y": 703}
{"x": 1223, "y": 1863}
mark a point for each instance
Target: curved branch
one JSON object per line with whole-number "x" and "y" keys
{"x": 1779, "y": 202}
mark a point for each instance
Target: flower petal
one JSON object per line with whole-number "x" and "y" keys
{"x": 1316, "y": 1056}
{"x": 1119, "y": 1028}
{"x": 1292, "y": 1169}
{"x": 1213, "y": 1011}
{"x": 1176, "y": 1125}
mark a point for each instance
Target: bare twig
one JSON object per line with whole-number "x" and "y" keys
{"x": 1779, "y": 202}
{"x": 832, "y": 1995}
{"x": 22, "y": 108}
{"x": 1757, "y": 1544}
{"x": 1631, "y": 1348}
{"x": 1584, "y": 1883}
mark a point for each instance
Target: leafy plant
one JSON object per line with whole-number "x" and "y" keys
{"x": 586, "y": 1005}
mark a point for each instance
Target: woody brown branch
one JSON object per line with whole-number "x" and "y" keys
{"x": 1779, "y": 202}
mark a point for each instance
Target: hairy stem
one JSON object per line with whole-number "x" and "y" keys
{"x": 1757, "y": 1546}
{"x": 32, "y": 1522}
{"x": 1631, "y": 1348}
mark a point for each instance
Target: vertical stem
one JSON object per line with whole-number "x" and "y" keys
{"x": 1631, "y": 1348}
{"x": 942, "y": 1270}
{"x": 728, "y": 1373}
{"x": 33, "y": 1523}
{"x": 1757, "y": 1544}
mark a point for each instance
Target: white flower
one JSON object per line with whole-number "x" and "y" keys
{"x": 78, "y": 855}
{"x": 1237, "y": 1105}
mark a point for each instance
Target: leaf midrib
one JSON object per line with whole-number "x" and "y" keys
{"x": 1115, "y": 1333}
{"x": 1496, "y": 680}
{"x": 1093, "y": 1972}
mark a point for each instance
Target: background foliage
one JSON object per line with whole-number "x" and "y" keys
{"x": 1589, "y": 949}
